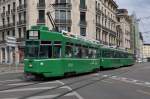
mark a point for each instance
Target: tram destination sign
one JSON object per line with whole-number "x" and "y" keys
{"x": 33, "y": 35}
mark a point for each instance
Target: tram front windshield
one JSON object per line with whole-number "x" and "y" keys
{"x": 31, "y": 51}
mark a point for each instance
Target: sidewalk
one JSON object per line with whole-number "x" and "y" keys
{"x": 6, "y": 68}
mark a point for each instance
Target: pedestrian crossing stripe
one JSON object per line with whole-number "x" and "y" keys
{"x": 27, "y": 89}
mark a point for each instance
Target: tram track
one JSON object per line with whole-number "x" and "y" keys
{"x": 87, "y": 84}
{"x": 92, "y": 81}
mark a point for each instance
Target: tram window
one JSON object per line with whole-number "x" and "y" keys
{"x": 44, "y": 51}
{"x": 117, "y": 54}
{"x": 45, "y": 42}
{"x": 90, "y": 54}
{"x": 108, "y": 54}
{"x": 94, "y": 53}
{"x": 84, "y": 52}
{"x": 97, "y": 53}
{"x": 57, "y": 49}
{"x": 78, "y": 51}
{"x": 69, "y": 50}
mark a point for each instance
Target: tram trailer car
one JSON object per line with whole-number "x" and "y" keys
{"x": 53, "y": 54}
{"x": 115, "y": 58}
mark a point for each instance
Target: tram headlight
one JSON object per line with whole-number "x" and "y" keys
{"x": 30, "y": 65}
{"x": 42, "y": 64}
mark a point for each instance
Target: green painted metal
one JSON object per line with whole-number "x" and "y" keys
{"x": 51, "y": 67}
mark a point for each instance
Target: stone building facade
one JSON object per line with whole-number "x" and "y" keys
{"x": 124, "y": 28}
{"x": 93, "y": 19}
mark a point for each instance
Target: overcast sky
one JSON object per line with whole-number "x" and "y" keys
{"x": 142, "y": 9}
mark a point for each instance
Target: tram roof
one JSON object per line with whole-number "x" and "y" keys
{"x": 65, "y": 36}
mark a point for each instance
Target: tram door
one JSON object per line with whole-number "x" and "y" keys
{"x": 69, "y": 66}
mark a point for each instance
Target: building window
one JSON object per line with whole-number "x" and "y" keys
{"x": 8, "y": 33}
{"x": 83, "y": 18}
{"x": 14, "y": 19}
{"x": 13, "y": 33}
{"x": 41, "y": 15}
{"x": 62, "y": 1}
{"x": 9, "y": 8}
{"x": 3, "y": 21}
{"x": 41, "y": 3}
{"x": 63, "y": 14}
{"x": 8, "y": 20}
{"x": 3, "y": 9}
{"x": 3, "y": 36}
{"x": 20, "y": 2}
{"x": 19, "y": 17}
{"x": 82, "y": 4}
{"x": 24, "y": 31}
{"x": 14, "y": 5}
{"x": 19, "y": 32}
{"x": 83, "y": 31}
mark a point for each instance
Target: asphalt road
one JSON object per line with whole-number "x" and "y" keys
{"x": 123, "y": 83}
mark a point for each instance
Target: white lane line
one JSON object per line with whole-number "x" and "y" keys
{"x": 9, "y": 98}
{"x": 143, "y": 92}
{"x": 44, "y": 97}
{"x": 10, "y": 80}
{"x": 11, "y": 72}
{"x": 109, "y": 82}
{"x": 76, "y": 94}
{"x": 27, "y": 89}
{"x": 27, "y": 83}
{"x": 69, "y": 88}
{"x": 132, "y": 81}
{"x": 19, "y": 84}
{"x": 72, "y": 93}
{"x": 51, "y": 82}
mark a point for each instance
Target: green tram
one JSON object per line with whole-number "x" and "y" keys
{"x": 52, "y": 54}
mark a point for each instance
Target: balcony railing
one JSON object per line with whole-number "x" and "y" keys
{"x": 83, "y": 8}
{"x": 20, "y": 39}
{"x": 63, "y": 21}
{"x": 6, "y": 26}
{"x": 83, "y": 23}
{"x": 13, "y": 11}
{"x": 7, "y": 13}
{"x": 21, "y": 7}
{"x": 22, "y": 22}
{"x": 3, "y": 14}
{"x": 105, "y": 43}
{"x": 2, "y": 41}
{"x": 98, "y": 11}
{"x": 40, "y": 21}
{"x": 62, "y": 6}
{"x": 41, "y": 6}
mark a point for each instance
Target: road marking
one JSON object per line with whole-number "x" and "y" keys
{"x": 9, "y": 98}
{"x": 72, "y": 93}
{"x": 70, "y": 89}
{"x": 144, "y": 92}
{"x": 44, "y": 97}
{"x": 131, "y": 81}
{"x": 76, "y": 94}
{"x": 107, "y": 82}
{"x": 4, "y": 73}
{"x": 27, "y": 89}
{"x": 19, "y": 84}
{"x": 105, "y": 76}
{"x": 27, "y": 83}
{"x": 10, "y": 80}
